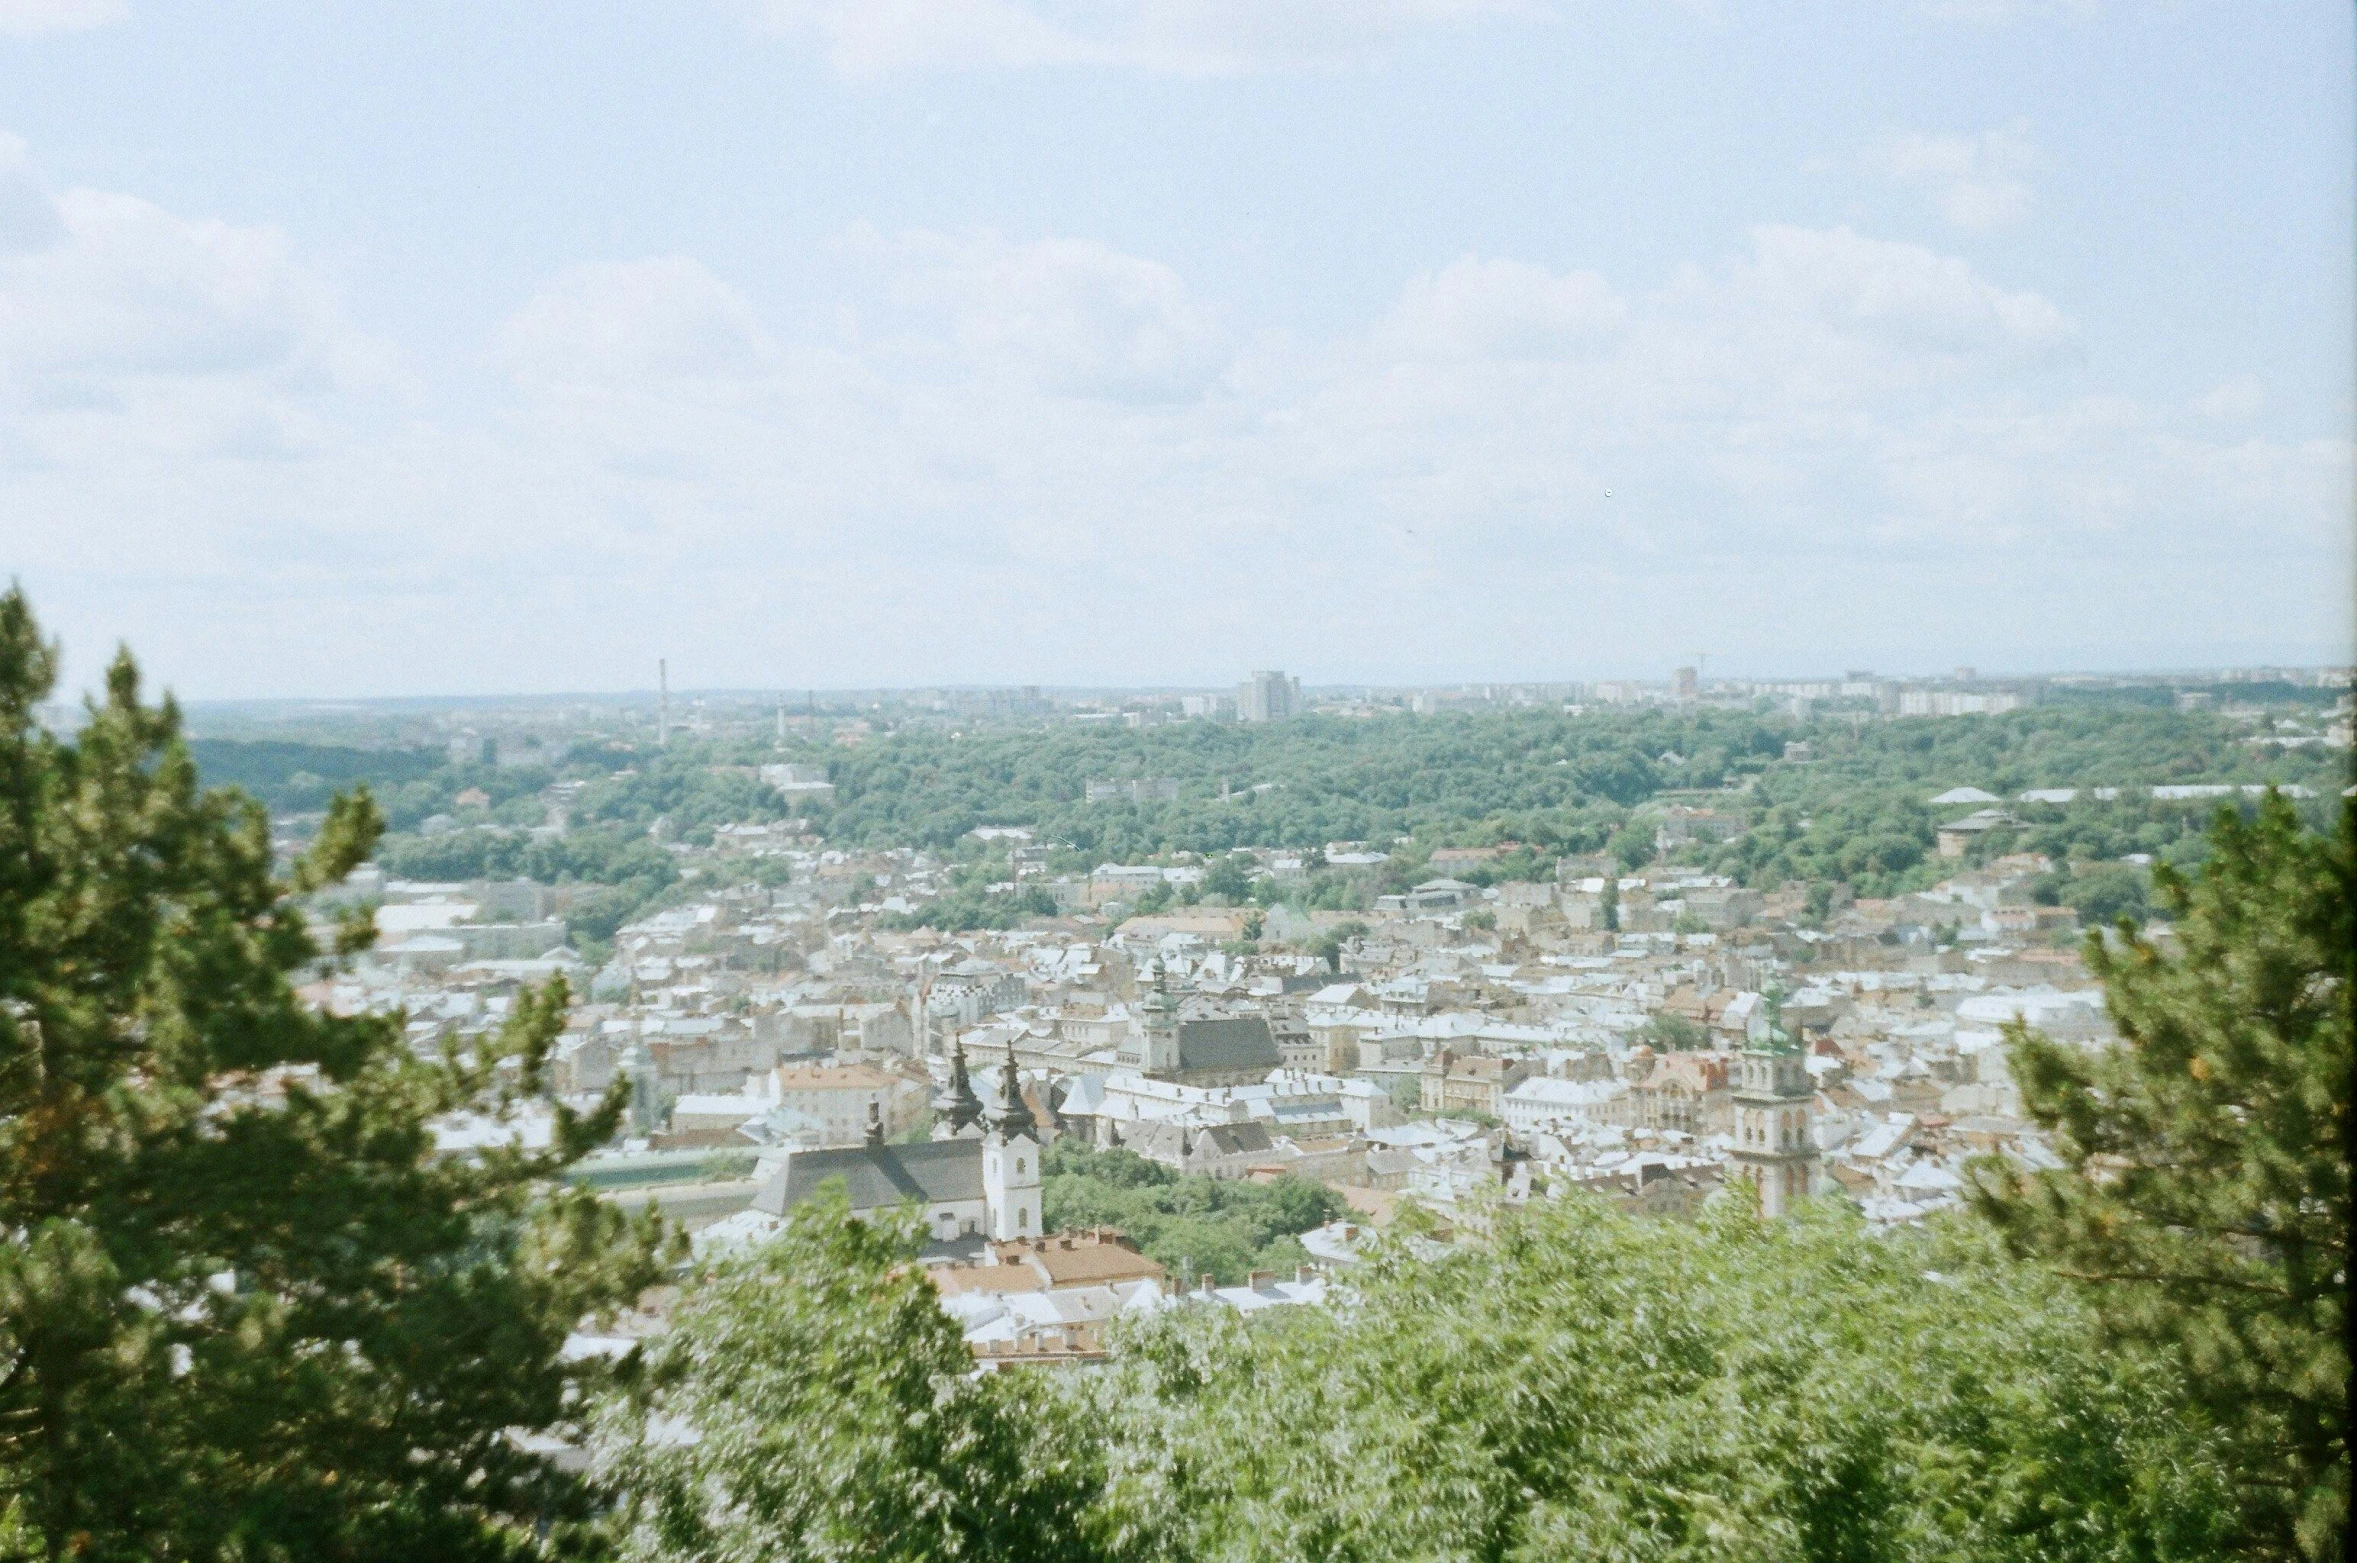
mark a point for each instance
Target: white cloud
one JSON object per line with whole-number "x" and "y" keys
{"x": 2233, "y": 401}
{"x": 1918, "y": 305}
{"x": 29, "y": 219}
{"x": 33, "y": 18}
{"x": 131, "y": 336}
{"x": 617, "y": 323}
{"x": 1503, "y": 309}
{"x": 867, "y": 38}
{"x": 1975, "y": 182}
{"x": 1074, "y": 317}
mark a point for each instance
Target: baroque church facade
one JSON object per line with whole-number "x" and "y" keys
{"x": 977, "y": 1179}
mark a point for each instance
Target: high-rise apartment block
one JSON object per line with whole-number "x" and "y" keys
{"x": 1268, "y": 697}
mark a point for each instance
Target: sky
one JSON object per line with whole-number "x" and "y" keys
{"x": 471, "y": 348}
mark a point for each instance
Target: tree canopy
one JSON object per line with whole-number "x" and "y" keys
{"x": 1586, "y": 1384}
{"x": 2204, "y": 1197}
{"x": 246, "y": 1311}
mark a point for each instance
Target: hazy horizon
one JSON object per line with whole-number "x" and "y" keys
{"x": 768, "y": 693}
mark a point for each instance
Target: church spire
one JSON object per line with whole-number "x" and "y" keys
{"x": 957, "y": 1105}
{"x": 1011, "y": 1115}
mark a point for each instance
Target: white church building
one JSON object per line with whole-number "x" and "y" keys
{"x": 977, "y": 1179}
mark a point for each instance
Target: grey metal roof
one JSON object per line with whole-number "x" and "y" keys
{"x": 1236, "y": 1042}
{"x": 935, "y": 1172}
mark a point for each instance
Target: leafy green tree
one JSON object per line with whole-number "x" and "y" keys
{"x": 811, "y": 1400}
{"x": 2204, "y": 1197}
{"x": 1592, "y": 1384}
{"x": 2106, "y": 892}
{"x": 1671, "y": 1033}
{"x": 1191, "y": 1224}
{"x": 246, "y": 1311}
{"x": 1229, "y": 876}
{"x": 1633, "y": 844}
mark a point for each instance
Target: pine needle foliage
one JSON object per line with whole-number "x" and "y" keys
{"x": 2204, "y": 1200}
{"x": 246, "y": 1310}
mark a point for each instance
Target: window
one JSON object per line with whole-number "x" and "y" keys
{"x": 1018, "y": 1166}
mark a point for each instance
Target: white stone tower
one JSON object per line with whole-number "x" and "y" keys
{"x": 1158, "y": 1025}
{"x": 1010, "y": 1160}
{"x": 1774, "y": 1103}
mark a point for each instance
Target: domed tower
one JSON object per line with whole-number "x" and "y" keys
{"x": 957, "y": 1111}
{"x": 1010, "y": 1160}
{"x": 1774, "y": 1103}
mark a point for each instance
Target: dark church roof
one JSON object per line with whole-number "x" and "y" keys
{"x": 1232, "y": 1042}
{"x": 934, "y": 1172}
{"x": 1235, "y": 1139}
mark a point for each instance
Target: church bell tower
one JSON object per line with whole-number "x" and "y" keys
{"x": 1158, "y": 1023}
{"x": 1010, "y": 1161}
{"x": 1774, "y": 1103}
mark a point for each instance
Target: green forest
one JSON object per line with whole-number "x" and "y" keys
{"x": 1856, "y": 813}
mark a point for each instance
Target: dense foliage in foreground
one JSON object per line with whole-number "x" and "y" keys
{"x": 1587, "y": 1385}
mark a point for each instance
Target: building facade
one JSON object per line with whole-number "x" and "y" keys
{"x": 1268, "y": 697}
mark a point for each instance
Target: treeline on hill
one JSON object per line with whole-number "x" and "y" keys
{"x": 1546, "y": 777}
{"x": 1857, "y": 811}
{"x": 302, "y": 777}
{"x": 629, "y": 870}
{"x": 410, "y": 785}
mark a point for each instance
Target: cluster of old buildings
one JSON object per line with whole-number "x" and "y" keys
{"x": 1647, "y": 1035}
